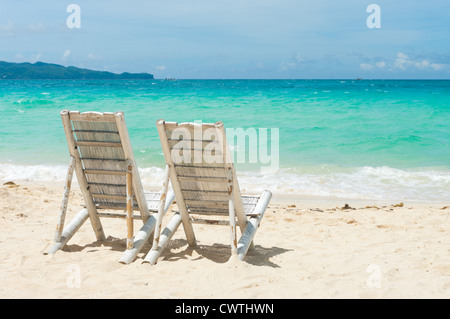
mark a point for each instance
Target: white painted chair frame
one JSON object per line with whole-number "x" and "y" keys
{"x": 133, "y": 183}
{"x": 248, "y": 227}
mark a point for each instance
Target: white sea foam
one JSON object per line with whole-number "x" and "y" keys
{"x": 40, "y": 173}
{"x": 379, "y": 183}
{"x": 374, "y": 183}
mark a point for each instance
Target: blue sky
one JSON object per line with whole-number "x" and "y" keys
{"x": 207, "y": 39}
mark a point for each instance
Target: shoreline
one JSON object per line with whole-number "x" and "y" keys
{"x": 364, "y": 185}
{"x": 280, "y": 199}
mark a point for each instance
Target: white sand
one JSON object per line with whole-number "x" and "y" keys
{"x": 312, "y": 250}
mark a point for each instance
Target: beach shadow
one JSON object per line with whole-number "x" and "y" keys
{"x": 261, "y": 256}
{"x": 220, "y": 253}
{"x": 179, "y": 249}
{"x": 114, "y": 243}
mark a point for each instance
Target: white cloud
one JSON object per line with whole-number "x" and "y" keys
{"x": 438, "y": 67}
{"x": 93, "y": 57}
{"x": 369, "y": 66}
{"x": 403, "y": 62}
{"x": 160, "y": 67}
{"x": 287, "y": 66}
{"x": 37, "y": 28}
{"x": 380, "y": 64}
{"x": 66, "y": 54}
{"x": 259, "y": 65}
{"x": 299, "y": 58}
{"x": 366, "y": 66}
{"x": 7, "y": 30}
{"x": 36, "y": 57}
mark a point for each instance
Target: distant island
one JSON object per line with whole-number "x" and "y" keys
{"x": 49, "y": 71}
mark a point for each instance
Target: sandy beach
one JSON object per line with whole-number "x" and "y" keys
{"x": 305, "y": 248}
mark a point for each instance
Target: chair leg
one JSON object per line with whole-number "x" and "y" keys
{"x": 69, "y": 231}
{"x": 62, "y": 213}
{"x": 141, "y": 238}
{"x": 162, "y": 203}
{"x": 233, "y": 235}
{"x": 252, "y": 226}
{"x": 130, "y": 224}
{"x": 145, "y": 233}
{"x": 166, "y": 235}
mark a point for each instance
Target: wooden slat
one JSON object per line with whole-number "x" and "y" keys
{"x": 202, "y": 179}
{"x": 171, "y": 140}
{"x": 108, "y": 167}
{"x": 248, "y": 212}
{"x": 201, "y": 186}
{"x": 95, "y": 180}
{"x": 193, "y": 158}
{"x": 97, "y": 144}
{"x": 218, "y": 213}
{"x": 186, "y": 190}
{"x": 94, "y": 131}
{"x": 193, "y": 149}
{"x": 116, "y": 215}
{"x": 223, "y": 212}
{"x": 91, "y": 116}
{"x": 206, "y": 203}
{"x": 105, "y": 196}
{"x": 118, "y": 206}
{"x": 108, "y": 185}
{"x": 103, "y": 172}
{"x": 210, "y": 166}
{"x": 210, "y": 221}
{"x": 103, "y": 159}
{"x": 219, "y": 205}
{"x": 187, "y": 125}
{"x": 201, "y": 197}
{"x": 210, "y": 207}
{"x": 200, "y": 171}
{"x": 191, "y": 143}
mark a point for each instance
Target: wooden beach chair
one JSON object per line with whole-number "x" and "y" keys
{"x": 203, "y": 178}
{"x": 102, "y": 158}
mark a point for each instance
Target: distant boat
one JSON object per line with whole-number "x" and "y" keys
{"x": 358, "y": 79}
{"x": 171, "y": 79}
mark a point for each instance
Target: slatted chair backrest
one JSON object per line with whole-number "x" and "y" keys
{"x": 100, "y": 145}
{"x": 201, "y": 169}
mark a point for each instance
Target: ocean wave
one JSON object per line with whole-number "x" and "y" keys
{"x": 371, "y": 183}
{"x": 32, "y": 173}
{"x": 33, "y": 102}
{"x": 380, "y": 183}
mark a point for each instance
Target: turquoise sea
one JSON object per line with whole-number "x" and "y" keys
{"x": 366, "y": 139}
